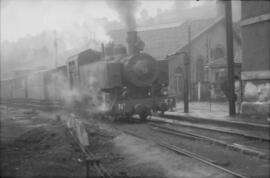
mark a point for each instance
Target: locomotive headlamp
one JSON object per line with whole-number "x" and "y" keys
{"x": 164, "y": 91}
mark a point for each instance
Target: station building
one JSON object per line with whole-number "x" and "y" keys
{"x": 207, "y": 62}
{"x": 208, "y": 54}
{"x": 255, "y": 25}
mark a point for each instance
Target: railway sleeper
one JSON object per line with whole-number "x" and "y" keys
{"x": 219, "y": 130}
{"x": 235, "y": 147}
{"x": 216, "y": 164}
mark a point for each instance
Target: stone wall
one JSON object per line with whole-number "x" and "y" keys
{"x": 256, "y": 57}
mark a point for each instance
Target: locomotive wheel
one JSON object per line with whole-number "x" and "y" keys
{"x": 161, "y": 113}
{"x": 122, "y": 118}
{"x": 143, "y": 117}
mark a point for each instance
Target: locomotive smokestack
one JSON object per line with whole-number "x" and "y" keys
{"x": 126, "y": 10}
{"x": 135, "y": 44}
{"x": 132, "y": 39}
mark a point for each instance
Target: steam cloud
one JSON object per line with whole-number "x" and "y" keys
{"x": 126, "y": 10}
{"x": 87, "y": 96}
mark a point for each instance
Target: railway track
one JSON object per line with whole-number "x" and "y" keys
{"x": 229, "y": 156}
{"x": 218, "y": 129}
{"x": 187, "y": 153}
{"x": 154, "y": 127}
{"x": 91, "y": 160}
{"x": 228, "y": 123}
{"x": 165, "y": 119}
{"x": 248, "y": 150}
{"x": 35, "y": 104}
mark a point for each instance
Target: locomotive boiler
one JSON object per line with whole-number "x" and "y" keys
{"x": 135, "y": 82}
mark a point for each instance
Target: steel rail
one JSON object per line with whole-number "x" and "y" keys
{"x": 187, "y": 153}
{"x": 197, "y": 119}
{"x": 100, "y": 169}
{"x": 35, "y": 104}
{"x": 212, "y": 129}
{"x": 189, "y": 135}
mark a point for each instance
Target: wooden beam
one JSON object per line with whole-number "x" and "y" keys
{"x": 256, "y": 19}
{"x": 256, "y": 75}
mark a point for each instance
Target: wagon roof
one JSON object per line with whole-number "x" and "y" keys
{"x": 86, "y": 56}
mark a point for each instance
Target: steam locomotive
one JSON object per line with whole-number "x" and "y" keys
{"x": 116, "y": 81}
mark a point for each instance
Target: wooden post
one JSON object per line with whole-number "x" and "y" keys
{"x": 230, "y": 61}
{"x": 55, "y": 48}
{"x": 87, "y": 169}
{"x": 187, "y": 65}
{"x": 186, "y": 85}
{"x": 199, "y": 91}
{"x": 56, "y": 65}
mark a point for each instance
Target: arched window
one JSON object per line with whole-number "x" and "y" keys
{"x": 178, "y": 70}
{"x": 178, "y": 80}
{"x": 217, "y": 53}
{"x": 200, "y": 70}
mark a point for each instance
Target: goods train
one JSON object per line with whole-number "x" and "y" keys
{"x": 117, "y": 81}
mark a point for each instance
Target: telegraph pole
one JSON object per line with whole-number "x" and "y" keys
{"x": 187, "y": 62}
{"x": 187, "y": 58}
{"x": 55, "y": 48}
{"x": 230, "y": 61}
{"x": 56, "y": 64}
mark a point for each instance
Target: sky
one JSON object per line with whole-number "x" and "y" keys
{"x": 30, "y": 17}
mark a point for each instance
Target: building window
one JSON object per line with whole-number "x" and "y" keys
{"x": 217, "y": 53}
{"x": 178, "y": 78}
{"x": 200, "y": 70}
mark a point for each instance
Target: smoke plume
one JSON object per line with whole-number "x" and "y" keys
{"x": 126, "y": 10}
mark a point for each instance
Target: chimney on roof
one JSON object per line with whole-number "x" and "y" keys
{"x": 220, "y": 8}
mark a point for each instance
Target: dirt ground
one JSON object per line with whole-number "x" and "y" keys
{"x": 33, "y": 146}
{"x": 36, "y": 144}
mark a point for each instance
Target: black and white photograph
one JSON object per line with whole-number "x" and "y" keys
{"x": 135, "y": 88}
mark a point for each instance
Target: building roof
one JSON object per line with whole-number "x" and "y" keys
{"x": 210, "y": 26}
{"x": 85, "y": 57}
{"x": 162, "y": 40}
{"x": 236, "y": 36}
